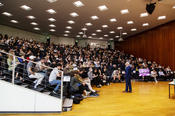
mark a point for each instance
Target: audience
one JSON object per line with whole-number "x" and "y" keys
{"x": 87, "y": 67}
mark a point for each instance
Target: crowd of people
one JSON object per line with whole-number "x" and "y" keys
{"x": 87, "y": 67}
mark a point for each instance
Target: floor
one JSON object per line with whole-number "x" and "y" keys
{"x": 147, "y": 99}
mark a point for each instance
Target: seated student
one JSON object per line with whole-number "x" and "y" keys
{"x": 96, "y": 78}
{"x": 32, "y": 73}
{"x": 87, "y": 81}
{"x": 77, "y": 86}
{"x": 154, "y": 75}
{"x": 105, "y": 76}
{"x": 161, "y": 74}
{"x": 56, "y": 72}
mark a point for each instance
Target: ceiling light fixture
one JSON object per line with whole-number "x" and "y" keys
{"x": 52, "y": 25}
{"x": 25, "y": 7}
{"x": 68, "y": 27}
{"x": 51, "y": 11}
{"x": 174, "y": 7}
{"x": 84, "y": 29}
{"x": 117, "y": 36}
{"x": 119, "y": 28}
{"x": 104, "y": 26}
{"x": 80, "y": 33}
{"x": 124, "y": 33}
{"x": 88, "y": 24}
{"x": 78, "y": 36}
{"x": 67, "y": 31}
{"x": 51, "y": 1}
{"x": 36, "y": 28}
{"x": 52, "y": 19}
{"x": 102, "y": 8}
{"x": 78, "y": 4}
{"x": 144, "y": 14}
{"x": 101, "y": 38}
{"x": 52, "y": 30}
{"x": 134, "y": 29}
{"x": 112, "y": 32}
{"x": 71, "y": 22}
{"x": 145, "y": 24}
{"x": 161, "y": 17}
{"x": 90, "y": 37}
{"x": 14, "y": 21}
{"x": 74, "y": 14}
{"x": 130, "y": 22}
{"x": 111, "y": 39}
{"x": 124, "y": 11}
{"x": 34, "y": 23}
{"x": 94, "y": 34}
{"x": 31, "y": 17}
{"x": 7, "y": 14}
{"x": 98, "y": 30}
{"x": 106, "y": 35}
{"x": 66, "y": 35}
{"x": 94, "y": 17}
{"x": 113, "y": 20}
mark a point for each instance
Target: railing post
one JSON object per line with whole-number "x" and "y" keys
{"x": 61, "y": 97}
{"x": 13, "y": 71}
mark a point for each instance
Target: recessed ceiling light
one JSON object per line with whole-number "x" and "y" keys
{"x": 124, "y": 33}
{"x": 124, "y": 11}
{"x": 145, "y": 24}
{"x": 134, "y": 29}
{"x": 52, "y": 30}
{"x": 51, "y": 1}
{"x": 102, "y": 8}
{"x": 66, "y": 35}
{"x": 94, "y": 17}
{"x": 119, "y": 28}
{"x": 98, "y": 30}
{"x": 78, "y": 36}
{"x": 113, "y": 20}
{"x": 111, "y": 39}
{"x": 52, "y": 19}
{"x": 174, "y": 7}
{"x": 106, "y": 35}
{"x": 51, "y": 11}
{"x": 130, "y": 22}
{"x": 117, "y": 36}
{"x": 71, "y": 22}
{"x": 84, "y": 29}
{"x": 104, "y": 26}
{"x": 90, "y": 37}
{"x": 74, "y": 14}
{"x": 52, "y": 25}
{"x": 144, "y": 14}
{"x": 14, "y": 21}
{"x": 36, "y": 28}
{"x": 78, "y": 4}
{"x": 94, "y": 34}
{"x": 68, "y": 27}
{"x": 67, "y": 31}
{"x": 31, "y": 17}
{"x": 88, "y": 24}
{"x": 25, "y": 7}
{"x": 34, "y": 23}
{"x": 80, "y": 33}
{"x": 101, "y": 38}
{"x": 1, "y": 4}
{"x": 7, "y": 14}
{"x": 161, "y": 17}
{"x": 112, "y": 32}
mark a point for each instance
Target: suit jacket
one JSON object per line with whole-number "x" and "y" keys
{"x": 128, "y": 72}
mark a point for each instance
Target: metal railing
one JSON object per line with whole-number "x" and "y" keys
{"x": 15, "y": 70}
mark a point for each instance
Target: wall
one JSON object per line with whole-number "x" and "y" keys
{"x": 29, "y": 35}
{"x": 157, "y": 44}
{"x": 15, "y": 98}
{"x": 95, "y": 43}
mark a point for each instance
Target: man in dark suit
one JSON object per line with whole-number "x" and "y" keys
{"x": 128, "y": 77}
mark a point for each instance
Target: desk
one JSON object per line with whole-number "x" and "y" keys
{"x": 171, "y": 83}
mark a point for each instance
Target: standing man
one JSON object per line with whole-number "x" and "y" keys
{"x": 128, "y": 77}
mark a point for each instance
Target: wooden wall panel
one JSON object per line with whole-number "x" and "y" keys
{"x": 157, "y": 44}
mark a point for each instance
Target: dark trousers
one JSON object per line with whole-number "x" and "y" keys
{"x": 128, "y": 84}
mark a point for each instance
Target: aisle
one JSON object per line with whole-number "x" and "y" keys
{"x": 147, "y": 99}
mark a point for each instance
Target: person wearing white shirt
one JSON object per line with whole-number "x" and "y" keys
{"x": 154, "y": 75}
{"x": 56, "y": 72}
